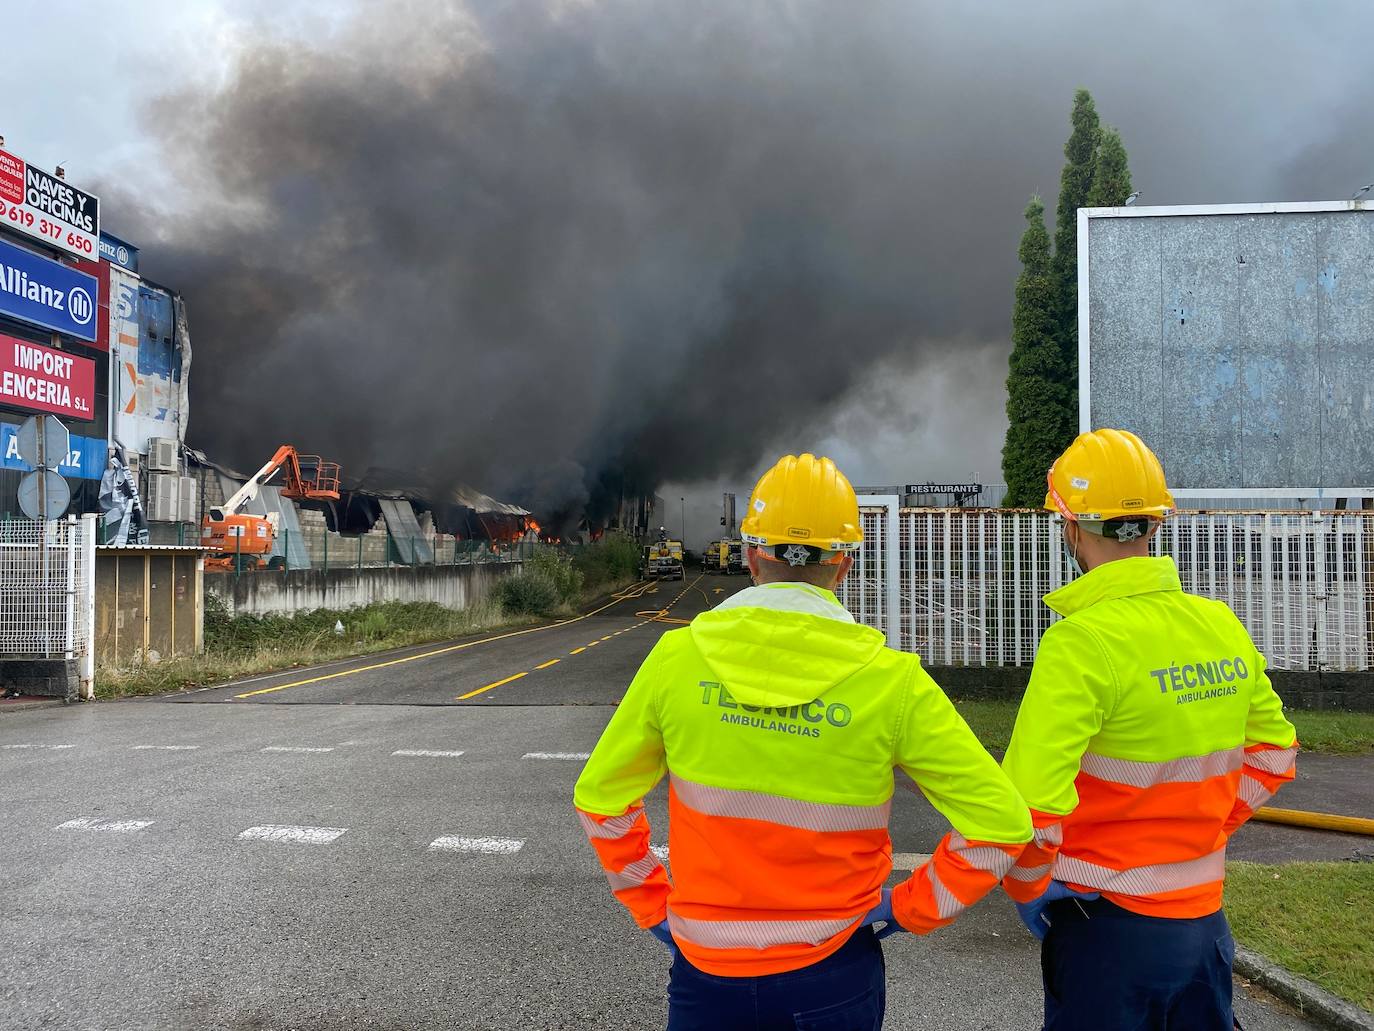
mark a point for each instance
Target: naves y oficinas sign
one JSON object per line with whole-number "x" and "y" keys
{"x": 38, "y": 204}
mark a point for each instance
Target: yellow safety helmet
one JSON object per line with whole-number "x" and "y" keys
{"x": 1108, "y": 476}
{"x": 803, "y": 501}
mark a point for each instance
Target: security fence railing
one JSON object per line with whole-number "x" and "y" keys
{"x": 968, "y": 583}
{"x": 47, "y": 590}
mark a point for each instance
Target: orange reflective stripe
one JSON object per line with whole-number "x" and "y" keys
{"x": 634, "y": 874}
{"x": 1143, "y": 880}
{"x": 1271, "y": 760}
{"x": 756, "y": 934}
{"x": 989, "y": 857}
{"x": 786, "y": 812}
{"x": 947, "y": 904}
{"x": 1190, "y": 769}
{"x": 1253, "y": 792}
{"x": 610, "y": 827}
{"x": 790, "y": 870}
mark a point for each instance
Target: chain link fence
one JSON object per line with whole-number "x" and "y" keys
{"x": 968, "y": 583}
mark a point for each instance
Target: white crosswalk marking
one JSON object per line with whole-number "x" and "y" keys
{"x": 45, "y": 748}
{"x": 570, "y": 756}
{"x": 426, "y": 753}
{"x": 96, "y": 823}
{"x": 294, "y": 748}
{"x": 288, "y": 833}
{"x": 164, "y": 748}
{"x": 492, "y": 846}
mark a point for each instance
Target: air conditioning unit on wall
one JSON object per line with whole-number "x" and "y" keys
{"x": 188, "y": 498}
{"x": 162, "y": 455}
{"x": 163, "y": 493}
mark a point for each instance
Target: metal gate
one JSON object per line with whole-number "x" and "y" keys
{"x": 47, "y": 592}
{"x": 964, "y": 586}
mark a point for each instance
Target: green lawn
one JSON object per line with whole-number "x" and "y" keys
{"x": 1332, "y": 733}
{"x": 991, "y": 721}
{"x": 1312, "y": 918}
{"x": 1335, "y": 733}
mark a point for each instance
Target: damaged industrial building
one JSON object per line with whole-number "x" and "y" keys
{"x": 117, "y": 529}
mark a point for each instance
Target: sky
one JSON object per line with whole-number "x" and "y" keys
{"x": 525, "y": 244}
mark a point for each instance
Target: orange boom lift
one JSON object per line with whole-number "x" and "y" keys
{"x": 242, "y": 540}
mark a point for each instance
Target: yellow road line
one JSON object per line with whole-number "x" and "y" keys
{"x": 625, "y": 595}
{"x": 661, "y": 616}
{"x": 473, "y": 694}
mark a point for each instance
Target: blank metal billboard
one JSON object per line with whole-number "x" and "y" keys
{"x": 1236, "y": 340}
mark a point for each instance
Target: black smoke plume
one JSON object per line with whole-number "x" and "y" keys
{"x": 543, "y": 246}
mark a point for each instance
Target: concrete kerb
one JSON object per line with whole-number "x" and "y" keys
{"x": 1312, "y": 1001}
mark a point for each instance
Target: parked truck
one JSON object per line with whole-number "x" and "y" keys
{"x": 732, "y": 557}
{"x": 665, "y": 559}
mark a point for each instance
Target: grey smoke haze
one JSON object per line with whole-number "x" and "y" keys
{"x": 530, "y": 245}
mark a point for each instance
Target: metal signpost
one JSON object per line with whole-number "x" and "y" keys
{"x": 43, "y": 442}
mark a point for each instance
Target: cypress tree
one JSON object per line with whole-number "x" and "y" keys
{"x": 1111, "y": 176}
{"x": 1038, "y": 409}
{"x": 1075, "y": 181}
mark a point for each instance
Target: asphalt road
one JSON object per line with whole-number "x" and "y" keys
{"x": 370, "y": 851}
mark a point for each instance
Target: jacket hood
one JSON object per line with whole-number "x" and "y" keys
{"x": 1119, "y": 579}
{"x": 783, "y": 644}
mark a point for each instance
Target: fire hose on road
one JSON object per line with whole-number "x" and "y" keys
{"x": 1316, "y": 821}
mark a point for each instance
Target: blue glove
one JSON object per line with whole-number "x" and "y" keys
{"x": 1033, "y": 912}
{"x": 661, "y": 932}
{"x": 882, "y": 914}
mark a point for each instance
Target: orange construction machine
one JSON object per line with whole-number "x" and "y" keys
{"x": 242, "y": 541}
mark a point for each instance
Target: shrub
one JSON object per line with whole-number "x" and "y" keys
{"x": 560, "y": 571}
{"x": 529, "y": 593}
{"x": 612, "y": 559}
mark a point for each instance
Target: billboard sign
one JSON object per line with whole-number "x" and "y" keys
{"x": 48, "y": 294}
{"x": 100, "y": 271}
{"x": 1236, "y": 340}
{"x": 117, "y": 252}
{"x": 38, "y": 204}
{"x": 38, "y": 379}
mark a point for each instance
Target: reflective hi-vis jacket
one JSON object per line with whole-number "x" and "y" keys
{"x": 1149, "y": 733}
{"x": 779, "y": 722}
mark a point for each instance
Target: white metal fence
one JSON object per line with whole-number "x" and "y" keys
{"x": 47, "y": 591}
{"x": 969, "y": 582}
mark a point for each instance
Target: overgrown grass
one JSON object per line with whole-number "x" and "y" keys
{"x": 1312, "y": 918}
{"x": 240, "y": 646}
{"x": 1330, "y": 733}
{"x": 990, "y": 720}
{"x": 552, "y": 584}
{"x": 1334, "y": 733}
{"x": 610, "y": 563}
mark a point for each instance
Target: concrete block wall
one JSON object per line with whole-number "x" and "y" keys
{"x": 304, "y": 590}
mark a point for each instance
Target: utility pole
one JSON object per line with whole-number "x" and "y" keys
{"x": 684, "y": 521}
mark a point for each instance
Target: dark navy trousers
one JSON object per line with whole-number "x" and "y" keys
{"x": 846, "y": 991}
{"x": 1106, "y": 969}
